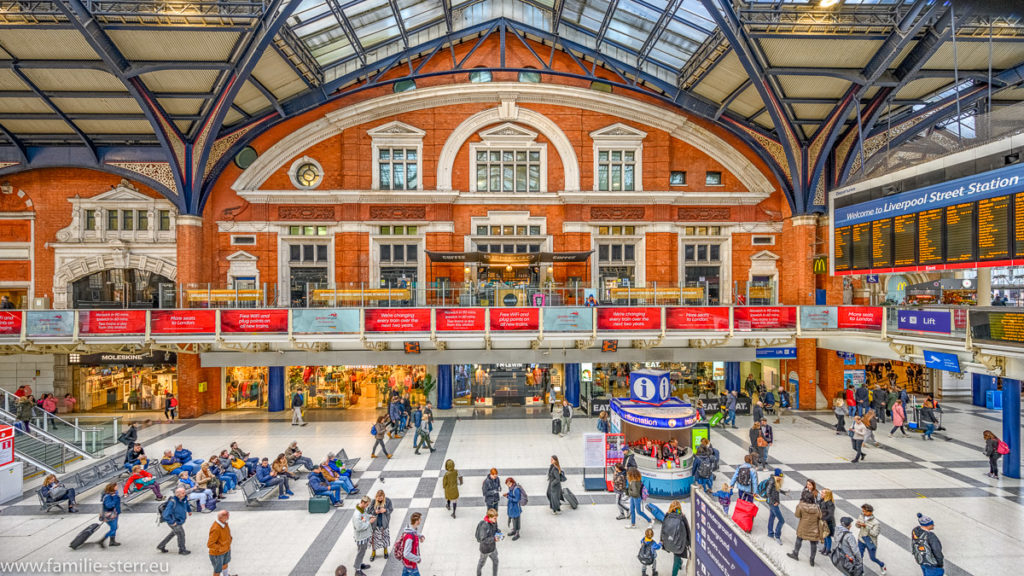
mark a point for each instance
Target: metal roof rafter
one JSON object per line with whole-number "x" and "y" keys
{"x": 605, "y": 23}
{"x": 659, "y": 28}
{"x": 56, "y": 110}
{"x": 346, "y": 27}
{"x": 267, "y": 94}
{"x": 19, "y": 147}
{"x": 399, "y": 21}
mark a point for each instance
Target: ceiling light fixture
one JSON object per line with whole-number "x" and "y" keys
{"x": 827, "y": 3}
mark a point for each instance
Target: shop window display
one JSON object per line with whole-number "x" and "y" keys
{"x": 245, "y": 387}
{"x": 604, "y": 381}
{"x": 505, "y": 384}
{"x": 116, "y": 382}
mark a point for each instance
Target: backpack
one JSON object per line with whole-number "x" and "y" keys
{"x": 160, "y": 511}
{"x": 1002, "y": 448}
{"x": 743, "y": 476}
{"x": 296, "y": 400}
{"x": 705, "y": 468}
{"x": 646, "y": 554}
{"x": 482, "y": 531}
{"x": 399, "y": 550}
{"x": 644, "y": 494}
{"x": 874, "y": 424}
{"x": 923, "y": 553}
{"x": 762, "y": 487}
{"x": 523, "y": 498}
{"x": 373, "y": 430}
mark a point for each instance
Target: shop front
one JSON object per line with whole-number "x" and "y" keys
{"x": 116, "y": 382}
{"x": 326, "y": 387}
{"x": 600, "y": 383}
{"x": 506, "y": 384}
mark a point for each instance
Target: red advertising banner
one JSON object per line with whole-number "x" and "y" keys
{"x": 764, "y": 317}
{"x": 10, "y": 323}
{"x": 860, "y": 317}
{"x": 183, "y": 321}
{"x": 703, "y": 318}
{"x": 112, "y": 322}
{"x": 629, "y": 318}
{"x": 460, "y": 319}
{"x": 397, "y": 320}
{"x": 252, "y": 321}
{"x": 515, "y": 318}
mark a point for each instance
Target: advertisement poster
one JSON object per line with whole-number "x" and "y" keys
{"x": 818, "y": 318}
{"x": 10, "y": 323}
{"x": 325, "y": 321}
{"x": 460, "y": 319}
{"x": 515, "y": 318}
{"x": 854, "y": 378}
{"x": 629, "y": 318}
{"x": 49, "y": 323}
{"x": 568, "y": 319}
{"x": 183, "y": 321}
{"x": 704, "y": 318}
{"x": 397, "y": 320}
{"x": 860, "y": 317}
{"x": 923, "y": 320}
{"x": 254, "y": 321}
{"x": 112, "y": 322}
{"x": 764, "y": 317}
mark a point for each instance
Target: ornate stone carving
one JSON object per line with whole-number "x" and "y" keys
{"x": 704, "y": 214}
{"x": 221, "y": 146}
{"x": 305, "y": 212}
{"x": 157, "y": 171}
{"x": 398, "y": 212}
{"x": 617, "y": 213}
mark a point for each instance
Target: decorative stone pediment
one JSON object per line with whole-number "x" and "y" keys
{"x": 396, "y": 128}
{"x": 123, "y": 192}
{"x": 764, "y": 256}
{"x": 242, "y": 256}
{"x": 508, "y": 133}
{"x": 618, "y": 132}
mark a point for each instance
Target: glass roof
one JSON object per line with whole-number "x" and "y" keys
{"x": 340, "y": 31}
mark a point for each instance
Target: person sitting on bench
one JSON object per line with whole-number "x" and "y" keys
{"x": 141, "y": 480}
{"x": 54, "y": 491}
{"x": 226, "y": 476}
{"x": 195, "y": 493}
{"x": 184, "y": 457}
{"x": 267, "y": 476}
{"x": 240, "y": 473}
{"x": 335, "y": 478}
{"x": 250, "y": 461}
{"x": 318, "y": 484}
{"x": 295, "y": 456}
{"x": 170, "y": 464}
{"x": 135, "y": 456}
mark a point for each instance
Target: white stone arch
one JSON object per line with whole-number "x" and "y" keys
{"x": 508, "y": 112}
{"x": 75, "y": 269}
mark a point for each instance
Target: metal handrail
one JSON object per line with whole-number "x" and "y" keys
{"x": 82, "y": 436}
{"x": 53, "y": 465}
{"x": 42, "y": 435}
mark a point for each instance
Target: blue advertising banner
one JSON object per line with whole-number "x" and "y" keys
{"x": 924, "y": 321}
{"x": 49, "y": 323}
{"x": 671, "y": 414}
{"x": 720, "y": 548}
{"x": 968, "y": 189}
{"x": 818, "y": 318}
{"x": 942, "y": 361}
{"x": 578, "y": 319}
{"x": 325, "y": 320}
{"x": 778, "y": 352}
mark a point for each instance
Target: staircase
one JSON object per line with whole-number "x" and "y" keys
{"x": 86, "y": 435}
{"x": 41, "y": 454}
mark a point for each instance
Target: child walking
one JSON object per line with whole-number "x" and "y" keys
{"x": 725, "y": 497}
{"x": 648, "y": 554}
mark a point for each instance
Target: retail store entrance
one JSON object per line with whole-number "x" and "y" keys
{"x": 325, "y": 387}
{"x": 116, "y": 382}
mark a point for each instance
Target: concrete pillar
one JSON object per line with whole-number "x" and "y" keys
{"x": 796, "y": 274}
{"x": 984, "y": 286}
{"x": 806, "y": 398}
{"x": 189, "y": 238}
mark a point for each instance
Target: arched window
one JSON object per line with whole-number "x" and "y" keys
{"x": 530, "y": 77}
{"x": 404, "y": 86}
{"x": 478, "y": 76}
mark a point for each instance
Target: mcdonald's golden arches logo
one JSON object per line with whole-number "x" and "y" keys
{"x": 821, "y": 264}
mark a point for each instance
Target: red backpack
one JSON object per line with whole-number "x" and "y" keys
{"x": 1003, "y": 448}
{"x": 399, "y": 550}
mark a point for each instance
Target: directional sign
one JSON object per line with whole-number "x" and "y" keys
{"x": 942, "y": 361}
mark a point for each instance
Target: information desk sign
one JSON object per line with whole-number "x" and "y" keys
{"x": 649, "y": 386}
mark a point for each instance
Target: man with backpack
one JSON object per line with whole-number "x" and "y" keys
{"x": 845, "y": 555}
{"x": 487, "y": 534}
{"x": 926, "y": 547}
{"x": 175, "y": 511}
{"x": 407, "y": 551}
{"x": 297, "y": 403}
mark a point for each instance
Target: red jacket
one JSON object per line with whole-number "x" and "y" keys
{"x": 849, "y": 397}
{"x": 130, "y": 482}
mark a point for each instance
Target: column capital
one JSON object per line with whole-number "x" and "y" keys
{"x": 188, "y": 220}
{"x": 804, "y": 220}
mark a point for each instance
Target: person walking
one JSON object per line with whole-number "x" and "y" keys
{"x": 109, "y": 514}
{"x": 757, "y": 412}
{"x": 839, "y": 409}
{"x": 879, "y": 399}
{"x": 378, "y": 430}
{"x": 487, "y": 534}
{"x": 635, "y": 490}
{"x": 851, "y": 402}
{"x": 451, "y": 482}
{"x": 859, "y": 432}
{"x": 754, "y": 433}
{"x": 928, "y": 418}
{"x": 175, "y": 514}
{"x": 566, "y": 417}
{"x": 619, "y": 484}
{"x": 745, "y": 478}
{"x": 730, "y": 404}
{"x": 926, "y": 547}
{"x": 863, "y": 397}
{"x": 867, "y": 539}
{"x": 410, "y": 543}
{"x": 871, "y": 423}
{"x": 24, "y": 414}
{"x": 170, "y": 407}
{"x": 297, "y": 403}
{"x": 219, "y": 544}
{"x": 828, "y": 516}
{"x": 555, "y": 479}
{"x": 648, "y": 554}
{"x": 775, "y": 517}
{"x": 846, "y": 545}
{"x": 992, "y": 452}
{"x": 381, "y": 537}
{"x": 766, "y": 441}
{"x": 808, "y": 517}
{"x": 491, "y": 489}
{"x": 423, "y": 425}
{"x": 514, "y": 506}
{"x": 675, "y": 537}
{"x": 899, "y": 418}
{"x": 362, "y": 527}
{"x": 604, "y": 426}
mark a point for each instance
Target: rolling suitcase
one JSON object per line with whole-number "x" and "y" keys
{"x": 743, "y": 515}
{"x": 84, "y": 535}
{"x": 656, "y": 512}
{"x": 556, "y": 427}
{"x": 569, "y": 497}
{"x": 716, "y": 418}
{"x": 319, "y": 505}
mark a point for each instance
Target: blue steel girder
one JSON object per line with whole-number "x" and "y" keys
{"x": 652, "y": 86}
{"x": 56, "y": 110}
{"x": 728, "y": 22}
{"x": 401, "y": 23}
{"x": 659, "y": 28}
{"x": 605, "y": 23}
{"x": 19, "y": 148}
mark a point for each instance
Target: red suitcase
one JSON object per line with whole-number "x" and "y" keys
{"x": 743, "y": 514}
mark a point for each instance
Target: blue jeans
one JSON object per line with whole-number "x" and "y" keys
{"x": 861, "y": 409}
{"x": 342, "y": 483}
{"x": 775, "y": 514}
{"x": 828, "y": 543}
{"x": 851, "y": 410}
{"x": 228, "y": 481}
{"x": 929, "y": 428}
{"x": 406, "y": 571}
{"x": 113, "y": 528}
{"x": 704, "y": 483}
{"x": 731, "y": 419}
{"x": 636, "y": 506}
{"x": 871, "y": 551}
{"x": 933, "y": 570}
{"x": 334, "y": 494}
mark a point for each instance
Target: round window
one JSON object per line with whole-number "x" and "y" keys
{"x": 245, "y": 157}
{"x": 308, "y": 175}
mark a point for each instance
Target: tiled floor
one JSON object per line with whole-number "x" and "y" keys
{"x": 979, "y": 520}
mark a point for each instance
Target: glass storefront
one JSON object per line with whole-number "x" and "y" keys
{"x": 245, "y": 387}
{"x": 506, "y": 384}
{"x": 330, "y": 387}
{"x": 116, "y": 382}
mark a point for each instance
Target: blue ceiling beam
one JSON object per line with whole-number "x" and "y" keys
{"x": 15, "y": 143}
{"x": 267, "y": 94}
{"x": 78, "y": 157}
{"x": 657, "y": 31}
{"x": 348, "y": 29}
{"x": 606, "y": 22}
{"x": 56, "y": 110}
{"x": 400, "y": 21}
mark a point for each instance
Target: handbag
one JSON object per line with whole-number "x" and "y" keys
{"x": 238, "y": 463}
{"x": 108, "y": 515}
{"x": 823, "y": 529}
{"x": 761, "y": 442}
{"x": 58, "y": 492}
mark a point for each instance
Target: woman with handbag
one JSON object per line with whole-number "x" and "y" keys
{"x": 555, "y": 479}
{"x": 809, "y": 516}
{"x": 381, "y": 508}
{"x": 828, "y": 516}
{"x": 54, "y": 491}
{"x": 111, "y": 510}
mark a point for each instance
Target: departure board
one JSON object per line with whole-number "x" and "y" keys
{"x": 881, "y": 243}
{"x": 993, "y": 228}
{"x": 998, "y": 326}
{"x": 842, "y": 248}
{"x": 1018, "y": 225}
{"x": 929, "y": 236}
{"x": 905, "y": 240}
{"x": 960, "y": 233}
{"x": 861, "y": 246}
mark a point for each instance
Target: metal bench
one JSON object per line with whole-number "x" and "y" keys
{"x": 350, "y": 463}
{"x": 45, "y": 506}
{"x": 254, "y": 492}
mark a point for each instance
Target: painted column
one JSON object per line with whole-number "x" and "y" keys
{"x": 275, "y": 389}
{"x": 732, "y": 376}
{"x": 444, "y": 387}
{"x": 1011, "y": 427}
{"x": 572, "y": 384}
{"x": 984, "y": 287}
{"x": 189, "y": 240}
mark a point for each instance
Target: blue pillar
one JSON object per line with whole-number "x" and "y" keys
{"x": 1011, "y": 427}
{"x": 572, "y": 384}
{"x": 732, "y": 376}
{"x": 275, "y": 388}
{"x": 444, "y": 387}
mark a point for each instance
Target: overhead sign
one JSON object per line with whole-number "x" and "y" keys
{"x": 515, "y": 318}
{"x": 10, "y": 323}
{"x": 397, "y": 319}
{"x": 860, "y": 317}
{"x": 871, "y": 278}
{"x": 998, "y": 326}
{"x": 183, "y": 321}
{"x": 698, "y": 318}
{"x": 412, "y": 347}
{"x": 325, "y": 320}
{"x": 576, "y": 319}
{"x": 778, "y": 353}
{"x": 942, "y": 361}
{"x": 936, "y": 321}
{"x": 820, "y": 265}
{"x": 109, "y": 322}
{"x": 818, "y": 318}
{"x": 460, "y": 319}
{"x": 253, "y": 321}
{"x": 649, "y": 386}
{"x": 764, "y": 317}
{"x": 609, "y": 346}
{"x": 629, "y": 318}
{"x": 49, "y": 323}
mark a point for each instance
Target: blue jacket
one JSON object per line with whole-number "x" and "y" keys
{"x": 176, "y": 511}
{"x": 602, "y": 426}
{"x": 184, "y": 455}
{"x": 263, "y": 474}
{"x": 333, "y": 465}
{"x": 514, "y": 496}
{"x": 395, "y": 411}
{"x": 317, "y": 484}
{"x": 736, "y": 476}
{"x": 112, "y": 502}
{"x": 417, "y": 417}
